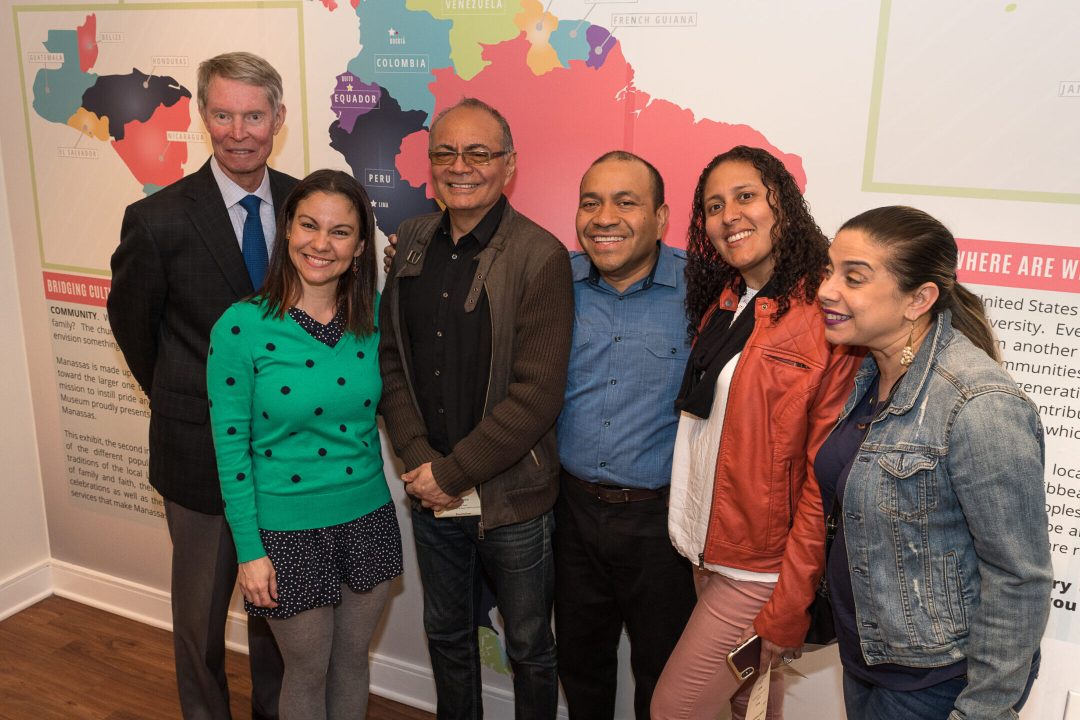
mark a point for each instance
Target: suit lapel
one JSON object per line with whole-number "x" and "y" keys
{"x": 280, "y": 187}
{"x": 211, "y": 220}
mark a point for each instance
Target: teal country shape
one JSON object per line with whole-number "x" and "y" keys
{"x": 58, "y": 93}
{"x": 400, "y": 49}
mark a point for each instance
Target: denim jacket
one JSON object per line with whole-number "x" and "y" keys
{"x": 945, "y": 522}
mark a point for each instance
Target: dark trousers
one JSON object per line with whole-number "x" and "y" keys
{"x": 517, "y": 559}
{"x": 203, "y": 576}
{"x": 864, "y": 701}
{"x": 615, "y": 565}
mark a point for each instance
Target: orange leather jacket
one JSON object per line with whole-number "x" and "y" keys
{"x": 785, "y": 398}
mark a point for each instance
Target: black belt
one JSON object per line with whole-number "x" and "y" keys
{"x": 614, "y": 494}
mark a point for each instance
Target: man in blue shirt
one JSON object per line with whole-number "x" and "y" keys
{"x": 614, "y": 563}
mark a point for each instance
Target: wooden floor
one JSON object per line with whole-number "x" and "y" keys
{"x": 60, "y": 659}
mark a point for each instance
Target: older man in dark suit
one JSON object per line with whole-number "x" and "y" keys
{"x": 186, "y": 253}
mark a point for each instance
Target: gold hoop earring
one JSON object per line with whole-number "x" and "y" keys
{"x": 907, "y": 355}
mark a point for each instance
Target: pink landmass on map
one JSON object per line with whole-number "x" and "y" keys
{"x": 331, "y": 5}
{"x": 146, "y": 150}
{"x": 567, "y": 117}
{"x": 86, "y": 37}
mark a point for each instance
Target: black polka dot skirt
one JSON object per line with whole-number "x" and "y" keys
{"x": 312, "y": 565}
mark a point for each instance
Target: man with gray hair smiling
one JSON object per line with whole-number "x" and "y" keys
{"x": 476, "y": 323}
{"x": 186, "y": 254}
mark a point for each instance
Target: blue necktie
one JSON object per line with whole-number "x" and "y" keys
{"x": 254, "y": 242}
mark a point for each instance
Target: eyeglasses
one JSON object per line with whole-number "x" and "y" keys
{"x": 471, "y": 157}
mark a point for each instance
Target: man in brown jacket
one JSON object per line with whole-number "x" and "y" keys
{"x": 477, "y": 317}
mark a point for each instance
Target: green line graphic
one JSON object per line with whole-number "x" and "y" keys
{"x": 870, "y": 184}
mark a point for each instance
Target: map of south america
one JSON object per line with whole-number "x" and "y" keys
{"x": 134, "y": 112}
{"x": 563, "y": 84}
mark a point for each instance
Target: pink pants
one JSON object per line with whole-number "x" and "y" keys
{"x": 697, "y": 682}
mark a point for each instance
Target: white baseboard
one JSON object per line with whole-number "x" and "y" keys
{"x": 112, "y": 594}
{"x": 25, "y": 588}
{"x": 132, "y": 600}
{"x": 391, "y": 678}
{"x": 414, "y": 685}
{"x": 402, "y": 682}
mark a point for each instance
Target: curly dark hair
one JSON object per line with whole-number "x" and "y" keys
{"x": 800, "y": 249}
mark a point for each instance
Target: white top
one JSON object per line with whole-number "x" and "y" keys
{"x": 693, "y": 474}
{"x": 232, "y": 194}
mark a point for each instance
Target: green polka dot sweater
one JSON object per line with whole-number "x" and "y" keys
{"x": 294, "y": 426}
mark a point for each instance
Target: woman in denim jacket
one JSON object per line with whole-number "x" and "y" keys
{"x": 940, "y": 572}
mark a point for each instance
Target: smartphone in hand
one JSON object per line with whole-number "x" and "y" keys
{"x": 745, "y": 658}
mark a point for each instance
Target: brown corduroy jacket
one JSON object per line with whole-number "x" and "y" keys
{"x": 510, "y": 456}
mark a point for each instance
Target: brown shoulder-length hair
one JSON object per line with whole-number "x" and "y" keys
{"x": 356, "y": 287}
{"x": 800, "y": 249}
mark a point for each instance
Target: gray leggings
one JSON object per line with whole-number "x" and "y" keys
{"x": 326, "y": 656}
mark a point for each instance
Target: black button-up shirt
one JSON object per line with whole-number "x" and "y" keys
{"x": 450, "y": 348}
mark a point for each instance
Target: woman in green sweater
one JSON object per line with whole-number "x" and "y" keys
{"x": 293, "y": 380}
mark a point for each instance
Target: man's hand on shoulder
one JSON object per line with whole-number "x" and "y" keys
{"x": 389, "y": 252}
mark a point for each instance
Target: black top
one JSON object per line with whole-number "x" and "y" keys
{"x": 718, "y": 342}
{"x": 328, "y": 334}
{"x": 450, "y": 348}
{"x": 832, "y": 466}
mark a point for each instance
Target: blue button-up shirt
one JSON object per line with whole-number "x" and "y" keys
{"x": 618, "y": 423}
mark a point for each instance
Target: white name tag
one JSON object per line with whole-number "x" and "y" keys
{"x": 470, "y": 505}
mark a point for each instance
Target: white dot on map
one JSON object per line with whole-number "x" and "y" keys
{"x": 598, "y": 50}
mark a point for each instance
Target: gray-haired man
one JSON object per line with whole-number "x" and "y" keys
{"x": 181, "y": 262}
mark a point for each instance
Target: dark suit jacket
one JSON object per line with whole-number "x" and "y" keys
{"x": 178, "y": 267}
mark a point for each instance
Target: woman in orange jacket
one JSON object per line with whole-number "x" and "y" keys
{"x": 761, "y": 392}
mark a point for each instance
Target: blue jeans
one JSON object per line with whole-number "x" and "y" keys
{"x": 869, "y": 702}
{"x": 518, "y": 562}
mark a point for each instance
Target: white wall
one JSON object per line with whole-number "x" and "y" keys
{"x": 800, "y": 73}
{"x": 24, "y": 544}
